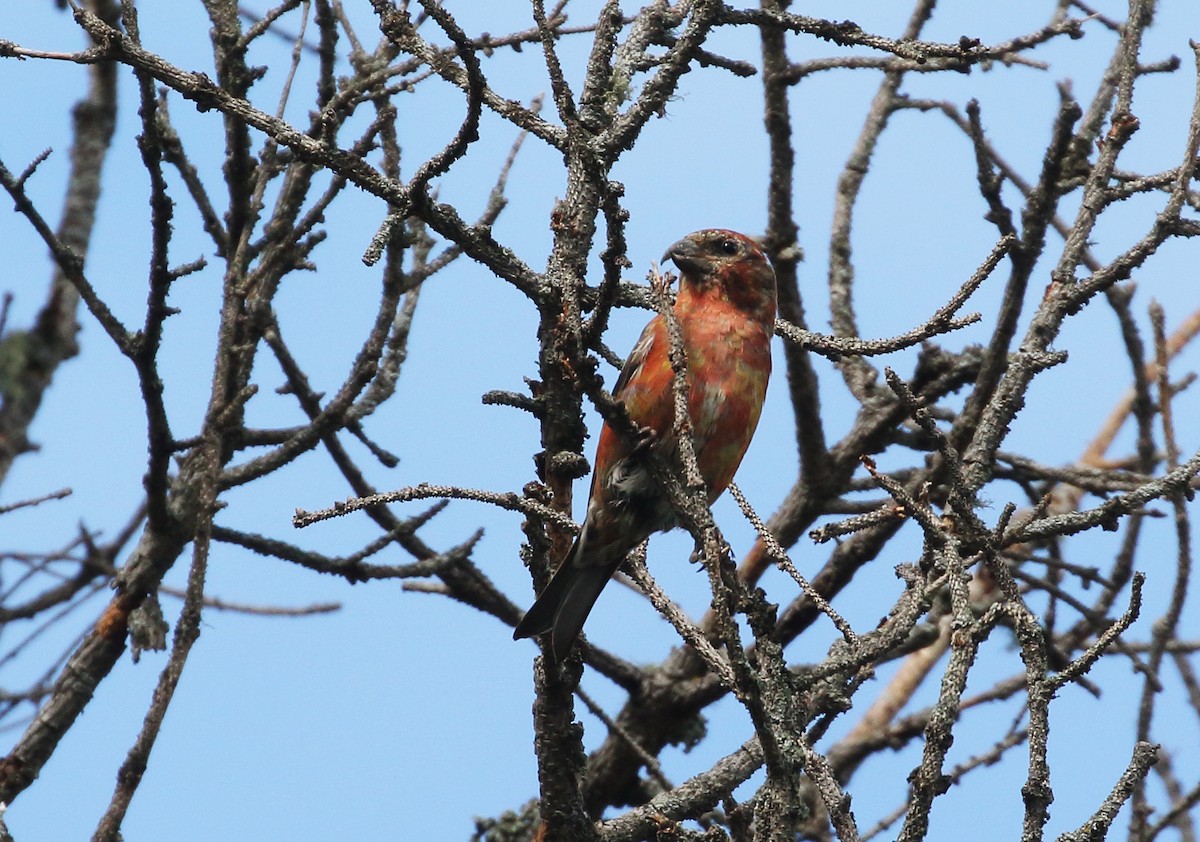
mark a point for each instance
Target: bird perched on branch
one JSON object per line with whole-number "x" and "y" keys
{"x": 726, "y": 313}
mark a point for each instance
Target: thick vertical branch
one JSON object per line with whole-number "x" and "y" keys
{"x": 32, "y": 357}
{"x": 783, "y": 244}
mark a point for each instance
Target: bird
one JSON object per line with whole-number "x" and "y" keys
{"x": 725, "y": 308}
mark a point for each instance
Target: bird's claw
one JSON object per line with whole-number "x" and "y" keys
{"x": 725, "y": 551}
{"x": 644, "y": 439}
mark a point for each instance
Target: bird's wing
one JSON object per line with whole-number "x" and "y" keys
{"x": 637, "y": 357}
{"x": 645, "y": 382}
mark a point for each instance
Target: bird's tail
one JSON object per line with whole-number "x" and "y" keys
{"x": 566, "y": 602}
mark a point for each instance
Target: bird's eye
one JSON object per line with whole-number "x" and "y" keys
{"x": 729, "y": 247}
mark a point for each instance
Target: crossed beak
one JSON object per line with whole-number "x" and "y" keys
{"x": 686, "y": 255}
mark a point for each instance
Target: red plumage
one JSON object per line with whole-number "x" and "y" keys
{"x": 726, "y": 312}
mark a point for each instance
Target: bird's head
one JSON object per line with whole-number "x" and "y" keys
{"x": 718, "y": 260}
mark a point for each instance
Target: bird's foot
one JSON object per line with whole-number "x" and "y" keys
{"x": 644, "y": 439}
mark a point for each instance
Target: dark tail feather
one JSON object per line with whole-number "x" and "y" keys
{"x": 540, "y": 616}
{"x": 565, "y": 603}
{"x": 576, "y": 605}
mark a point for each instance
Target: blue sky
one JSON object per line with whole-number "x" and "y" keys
{"x": 403, "y": 715}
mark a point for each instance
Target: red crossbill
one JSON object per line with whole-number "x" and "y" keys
{"x": 726, "y": 313}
